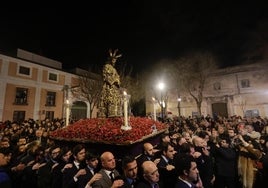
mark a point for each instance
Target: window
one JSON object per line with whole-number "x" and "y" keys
{"x": 50, "y": 115}
{"x": 245, "y": 83}
{"x": 24, "y": 70}
{"x": 217, "y": 86}
{"x": 51, "y": 98}
{"x": 52, "y": 77}
{"x": 252, "y": 113}
{"x": 21, "y": 96}
{"x": 195, "y": 114}
{"x": 18, "y": 116}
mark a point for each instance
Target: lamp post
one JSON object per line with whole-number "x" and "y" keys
{"x": 161, "y": 87}
{"x": 179, "y": 106}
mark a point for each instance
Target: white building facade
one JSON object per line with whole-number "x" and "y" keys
{"x": 239, "y": 90}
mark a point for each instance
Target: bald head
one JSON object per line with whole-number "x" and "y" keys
{"x": 148, "y": 167}
{"x": 150, "y": 171}
{"x": 148, "y": 149}
{"x": 105, "y": 155}
{"x": 147, "y": 145}
{"x": 108, "y": 160}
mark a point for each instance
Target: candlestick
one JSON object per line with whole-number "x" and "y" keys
{"x": 125, "y": 110}
{"x": 67, "y": 112}
{"x": 154, "y": 108}
{"x": 125, "y": 100}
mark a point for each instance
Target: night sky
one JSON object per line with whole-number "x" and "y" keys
{"x": 146, "y": 31}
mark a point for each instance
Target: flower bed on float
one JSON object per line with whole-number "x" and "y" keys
{"x": 108, "y": 130}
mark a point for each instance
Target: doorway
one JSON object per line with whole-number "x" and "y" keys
{"x": 220, "y": 109}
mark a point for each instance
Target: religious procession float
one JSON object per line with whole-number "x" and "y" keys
{"x": 113, "y": 129}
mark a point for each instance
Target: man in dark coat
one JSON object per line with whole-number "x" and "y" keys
{"x": 86, "y": 180}
{"x": 186, "y": 168}
{"x": 150, "y": 176}
{"x": 148, "y": 154}
{"x": 71, "y": 175}
{"x": 5, "y": 181}
{"x": 130, "y": 171}
{"x": 166, "y": 166}
{"x": 110, "y": 176}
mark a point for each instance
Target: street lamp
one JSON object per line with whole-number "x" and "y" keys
{"x": 179, "y": 106}
{"x": 161, "y": 87}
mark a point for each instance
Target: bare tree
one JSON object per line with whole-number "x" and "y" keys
{"x": 191, "y": 72}
{"x": 89, "y": 88}
{"x": 132, "y": 83}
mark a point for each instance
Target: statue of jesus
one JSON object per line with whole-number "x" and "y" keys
{"x": 110, "y": 105}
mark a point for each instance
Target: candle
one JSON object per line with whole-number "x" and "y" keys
{"x": 154, "y": 112}
{"x": 154, "y": 108}
{"x": 125, "y": 109}
{"x": 67, "y": 112}
{"x": 126, "y": 125}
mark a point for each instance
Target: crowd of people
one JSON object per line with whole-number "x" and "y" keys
{"x": 200, "y": 152}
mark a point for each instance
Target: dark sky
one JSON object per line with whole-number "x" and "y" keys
{"x": 144, "y": 31}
